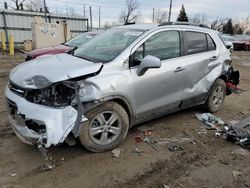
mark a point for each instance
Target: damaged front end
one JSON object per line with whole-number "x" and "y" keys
{"x": 46, "y": 115}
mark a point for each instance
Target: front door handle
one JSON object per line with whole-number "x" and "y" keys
{"x": 179, "y": 69}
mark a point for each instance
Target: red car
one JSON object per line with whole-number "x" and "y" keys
{"x": 242, "y": 42}
{"x": 64, "y": 47}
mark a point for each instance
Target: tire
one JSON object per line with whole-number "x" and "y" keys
{"x": 216, "y": 96}
{"x": 96, "y": 135}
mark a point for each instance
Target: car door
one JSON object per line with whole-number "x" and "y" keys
{"x": 201, "y": 59}
{"x": 161, "y": 89}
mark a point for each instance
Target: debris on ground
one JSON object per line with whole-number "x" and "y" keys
{"x": 138, "y": 139}
{"x": 244, "y": 113}
{"x": 151, "y": 143}
{"x": 239, "y": 133}
{"x": 236, "y": 174}
{"x": 210, "y": 120}
{"x": 116, "y": 152}
{"x": 196, "y": 139}
{"x": 166, "y": 186}
{"x": 47, "y": 160}
{"x": 174, "y": 148}
{"x": 137, "y": 150}
{"x": 13, "y": 175}
{"x": 202, "y": 131}
{"x": 160, "y": 141}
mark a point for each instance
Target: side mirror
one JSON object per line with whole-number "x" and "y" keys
{"x": 148, "y": 62}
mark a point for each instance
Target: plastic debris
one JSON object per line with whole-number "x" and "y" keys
{"x": 174, "y": 148}
{"x": 196, "y": 139}
{"x": 116, "y": 152}
{"x": 209, "y": 119}
{"x": 166, "y": 186}
{"x": 137, "y": 150}
{"x": 151, "y": 143}
{"x": 138, "y": 139}
{"x": 236, "y": 174}
{"x": 239, "y": 133}
{"x": 13, "y": 175}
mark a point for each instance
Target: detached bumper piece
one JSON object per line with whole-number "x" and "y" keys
{"x": 240, "y": 133}
{"x": 233, "y": 80}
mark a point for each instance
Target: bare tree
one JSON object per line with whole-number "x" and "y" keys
{"x": 130, "y": 15}
{"x": 218, "y": 24}
{"x": 18, "y": 4}
{"x": 107, "y": 25}
{"x": 34, "y": 5}
{"x": 160, "y": 16}
{"x": 242, "y": 25}
{"x": 200, "y": 18}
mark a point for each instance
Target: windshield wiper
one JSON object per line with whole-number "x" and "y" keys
{"x": 83, "y": 57}
{"x": 71, "y": 52}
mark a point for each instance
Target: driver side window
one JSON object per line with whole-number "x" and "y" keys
{"x": 164, "y": 45}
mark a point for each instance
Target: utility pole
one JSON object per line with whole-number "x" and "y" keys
{"x": 153, "y": 15}
{"x": 99, "y": 17}
{"x": 67, "y": 9}
{"x": 84, "y": 13}
{"x": 45, "y": 10}
{"x": 90, "y": 18}
{"x": 170, "y": 9}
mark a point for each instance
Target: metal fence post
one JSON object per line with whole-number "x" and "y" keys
{"x": 3, "y": 41}
{"x": 5, "y": 25}
{"x": 11, "y": 44}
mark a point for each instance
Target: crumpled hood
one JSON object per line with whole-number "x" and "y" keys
{"x": 45, "y": 70}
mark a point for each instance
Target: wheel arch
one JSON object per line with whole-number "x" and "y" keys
{"x": 121, "y": 100}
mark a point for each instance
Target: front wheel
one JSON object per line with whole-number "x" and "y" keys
{"x": 106, "y": 128}
{"x": 216, "y": 96}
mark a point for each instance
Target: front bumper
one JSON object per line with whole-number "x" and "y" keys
{"x": 57, "y": 122}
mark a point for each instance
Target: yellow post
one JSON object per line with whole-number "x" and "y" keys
{"x": 3, "y": 41}
{"x": 11, "y": 44}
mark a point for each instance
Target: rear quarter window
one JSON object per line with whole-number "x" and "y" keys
{"x": 210, "y": 43}
{"x": 195, "y": 42}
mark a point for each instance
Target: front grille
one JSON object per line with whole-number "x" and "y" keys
{"x": 17, "y": 89}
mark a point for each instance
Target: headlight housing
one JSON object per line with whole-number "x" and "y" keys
{"x": 56, "y": 95}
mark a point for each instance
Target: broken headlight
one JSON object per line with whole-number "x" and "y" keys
{"x": 56, "y": 95}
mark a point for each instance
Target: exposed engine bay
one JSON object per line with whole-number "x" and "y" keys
{"x": 57, "y": 95}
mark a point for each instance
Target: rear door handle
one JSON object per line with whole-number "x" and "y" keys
{"x": 214, "y": 58}
{"x": 179, "y": 69}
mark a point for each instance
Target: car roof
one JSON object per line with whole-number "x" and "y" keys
{"x": 171, "y": 26}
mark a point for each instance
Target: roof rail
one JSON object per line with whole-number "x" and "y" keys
{"x": 183, "y": 23}
{"x": 129, "y": 23}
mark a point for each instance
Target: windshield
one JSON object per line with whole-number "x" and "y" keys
{"x": 108, "y": 45}
{"x": 79, "y": 39}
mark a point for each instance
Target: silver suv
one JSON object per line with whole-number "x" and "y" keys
{"x": 123, "y": 77}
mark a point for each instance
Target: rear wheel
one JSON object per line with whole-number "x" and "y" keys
{"x": 106, "y": 128}
{"x": 216, "y": 96}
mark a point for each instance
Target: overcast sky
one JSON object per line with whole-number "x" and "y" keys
{"x": 110, "y": 9}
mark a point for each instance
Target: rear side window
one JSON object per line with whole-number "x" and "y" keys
{"x": 196, "y": 42}
{"x": 210, "y": 44}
